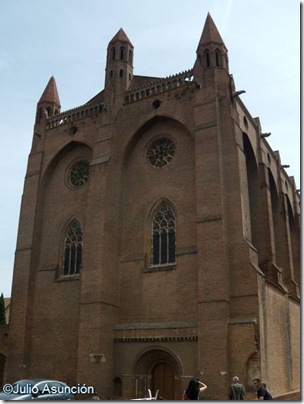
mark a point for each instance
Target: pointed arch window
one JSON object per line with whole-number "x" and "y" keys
{"x": 122, "y": 53}
{"x": 163, "y": 236}
{"x": 73, "y": 249}
{"x": 130, "y": 57}
{"x": 39, "y": 115}
{"x": 218, "y": 58}
{"x": 48, "y": 112}
{"x": 207, "y": 57}
{"x": 113, "y": 53}
{"x": 227, "y": 62}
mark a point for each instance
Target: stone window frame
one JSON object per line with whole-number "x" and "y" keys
{"x": 130, "y": 56}
{"x": 69, "y": 171}
{"x": 218, "y": 57}
{"x": 122, "y": 53}
{"x": 153, "y": 143}
{"x": 164, "y": 239}
{"x": 72, "y": 257}
{"x": 113, "y": 53}
{"x": 206, "y": 56}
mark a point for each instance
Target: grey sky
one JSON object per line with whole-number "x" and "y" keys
{"x": 68, "y": 39}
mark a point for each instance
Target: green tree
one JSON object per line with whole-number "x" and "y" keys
{"x": 2, "y": 310}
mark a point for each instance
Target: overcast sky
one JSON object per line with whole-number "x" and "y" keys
{"x": 68, "y": 39}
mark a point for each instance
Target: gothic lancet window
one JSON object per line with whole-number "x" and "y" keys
{"x": 207, "y": 57}
{"x": 122, "y": 53}
{"x": 73, "y": 249}
{"x": 38, "y": 115}
{"x": 48, "y": 112}
{"x": 218, "y": 56}
{"x": 130, "y": 57}
{"x": 113, "y": 53}
{"x": 163, "y": 236}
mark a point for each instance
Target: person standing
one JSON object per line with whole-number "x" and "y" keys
{"x": 262, "y": 392}
{"x": 236, "y": 390}
{"x": 194, "y": 389}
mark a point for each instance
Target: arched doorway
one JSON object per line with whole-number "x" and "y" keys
{"x": 163, "y": 380}
{"x": 158, "y": 368}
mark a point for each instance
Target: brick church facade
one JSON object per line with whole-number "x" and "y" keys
{"x": 159, "y": 238}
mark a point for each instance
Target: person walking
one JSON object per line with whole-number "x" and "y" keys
{"x": 262, "y": 392}
{"x": 194, "y": 389}
{"x": 236, "y": 390}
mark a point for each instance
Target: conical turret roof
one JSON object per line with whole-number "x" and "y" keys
{"x": 120, "y": 36}
{"x": 210, "y": 33}
{"x": 50, "y": 94}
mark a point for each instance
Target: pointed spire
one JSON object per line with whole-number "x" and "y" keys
{"x": 50, "y": 94}
{"x": 120, "y": 36}
{"x": 119, "y": 67}
{"x": 210, "y": 33}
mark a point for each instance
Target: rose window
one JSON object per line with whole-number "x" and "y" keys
{"x": 161, "y": 152}
{"x": 79, "y": 174}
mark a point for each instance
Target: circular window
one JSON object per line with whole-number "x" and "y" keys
{"x": 161, "y": 152}
{"x": 156, "y": 104}
{"x": 79, "y": 174}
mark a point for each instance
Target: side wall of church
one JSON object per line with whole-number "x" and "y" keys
{"x": 295, "y": 344}
{"x": 282, "y": 319}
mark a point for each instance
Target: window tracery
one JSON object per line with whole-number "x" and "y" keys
{"x": 73, "y": 249}
{"x": 79, "y": 174}
{"x": 161, "y": 152}
{"x": 163, "y": 236}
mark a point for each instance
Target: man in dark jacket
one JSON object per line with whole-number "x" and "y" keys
{"x": 262, "y": 392}
{"x": 236, "y": 390}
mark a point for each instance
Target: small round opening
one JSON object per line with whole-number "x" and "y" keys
{"x": 156, "y": 104}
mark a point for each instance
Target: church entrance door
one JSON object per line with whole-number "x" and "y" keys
{"x": 163, "y": 380}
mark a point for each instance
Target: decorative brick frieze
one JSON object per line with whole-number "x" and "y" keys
{"x": 75, "y": 114}
{"x": 160, "y": 86}
{"x": 155, "y": 339}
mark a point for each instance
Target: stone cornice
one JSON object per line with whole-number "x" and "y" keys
{"x": 157, "y": 339}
